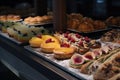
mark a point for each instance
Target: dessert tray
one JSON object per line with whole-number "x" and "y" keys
{"x": 97, "y": 33}
{"x": 6, "y": 36}
{"x": 114, "y": 26}
{"x": 38, "y": 24}
{"x": 64, "y": 64}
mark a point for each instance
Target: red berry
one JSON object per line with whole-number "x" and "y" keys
{"x": 65, "y": 45}
{"x": 80, "y": 43}
{"x": 77, "y": 35}
{"x": 78, "y": 60}
{"x": 87, "y": 39}
{"x": 72, "y": 40}
{"x": 69, "y": 37}
{"x": 89, "y": 57}
{"x": 66, "y": 35}
{"x": 49, "y": 40}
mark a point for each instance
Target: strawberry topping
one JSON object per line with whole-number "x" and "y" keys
{"x": 49, "y": 40}
{"x": 65, "y": 45}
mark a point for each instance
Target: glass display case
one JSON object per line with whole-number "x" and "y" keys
{"x": 68, "y": 25}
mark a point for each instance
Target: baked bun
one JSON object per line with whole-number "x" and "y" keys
{"x": 63, "y": 53}
{"x": 85, "y": 27}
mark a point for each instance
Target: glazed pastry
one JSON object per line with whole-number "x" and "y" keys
{"x": 49, "y": 44}
{"x": 35, "y": 41}
{"x": 49, "y": 47}
{"x": 63, "y": 53}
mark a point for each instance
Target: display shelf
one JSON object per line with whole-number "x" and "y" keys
{"x": 37, "y": 62}
{"x": 65, "y": 71}
{"x": 6, "y": 36}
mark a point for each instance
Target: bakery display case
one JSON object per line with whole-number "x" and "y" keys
{"x": 68, "y": 44}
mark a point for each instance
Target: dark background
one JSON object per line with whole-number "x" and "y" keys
{"x": 91, "y": 8}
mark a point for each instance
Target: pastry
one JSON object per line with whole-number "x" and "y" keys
{"x": 35, "y": 41}
{"x": 49, "y": 44}
{"x": 99, "y": 25}
{"x": 85, "y": 27}
{"x": 63, "y": 53}
{"x": 95, "y": 44}
{"x": 49, "y": 47}
{"x": 76, "y": 61}
{"x": 3, "y": 18}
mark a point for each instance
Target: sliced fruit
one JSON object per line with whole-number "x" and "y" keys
{"x": 89, "y": 56}
{"x": 76, "y": 61}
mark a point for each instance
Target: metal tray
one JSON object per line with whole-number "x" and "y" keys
{"x": 94, "y": 34}
{"x": 61, "y": 64}
{"x": 6, "y": 36}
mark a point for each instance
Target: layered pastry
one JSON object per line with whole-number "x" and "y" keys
{"x": 108, "y": 68}
{"x": 63, "y": 53}
{"x": 6, "y": 25}
{"x": 92, "y": 66}
{"x": 24, "y": 33}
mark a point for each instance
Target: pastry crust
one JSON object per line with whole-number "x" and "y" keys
{"x": 63, "y": 53}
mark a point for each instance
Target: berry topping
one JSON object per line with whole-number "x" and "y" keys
{"x": 49, "y": 40}
{"x": 89, "y": 57}
{"x": 66, "y": 35}
{"x": 80, "y": 43}
{"x": 87, "y": 39}
{"x": 65, "y": 45}
{"x": 72, "y": 40}
{"x": 77, "y": 35}
{"x": 77, "y": 60}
